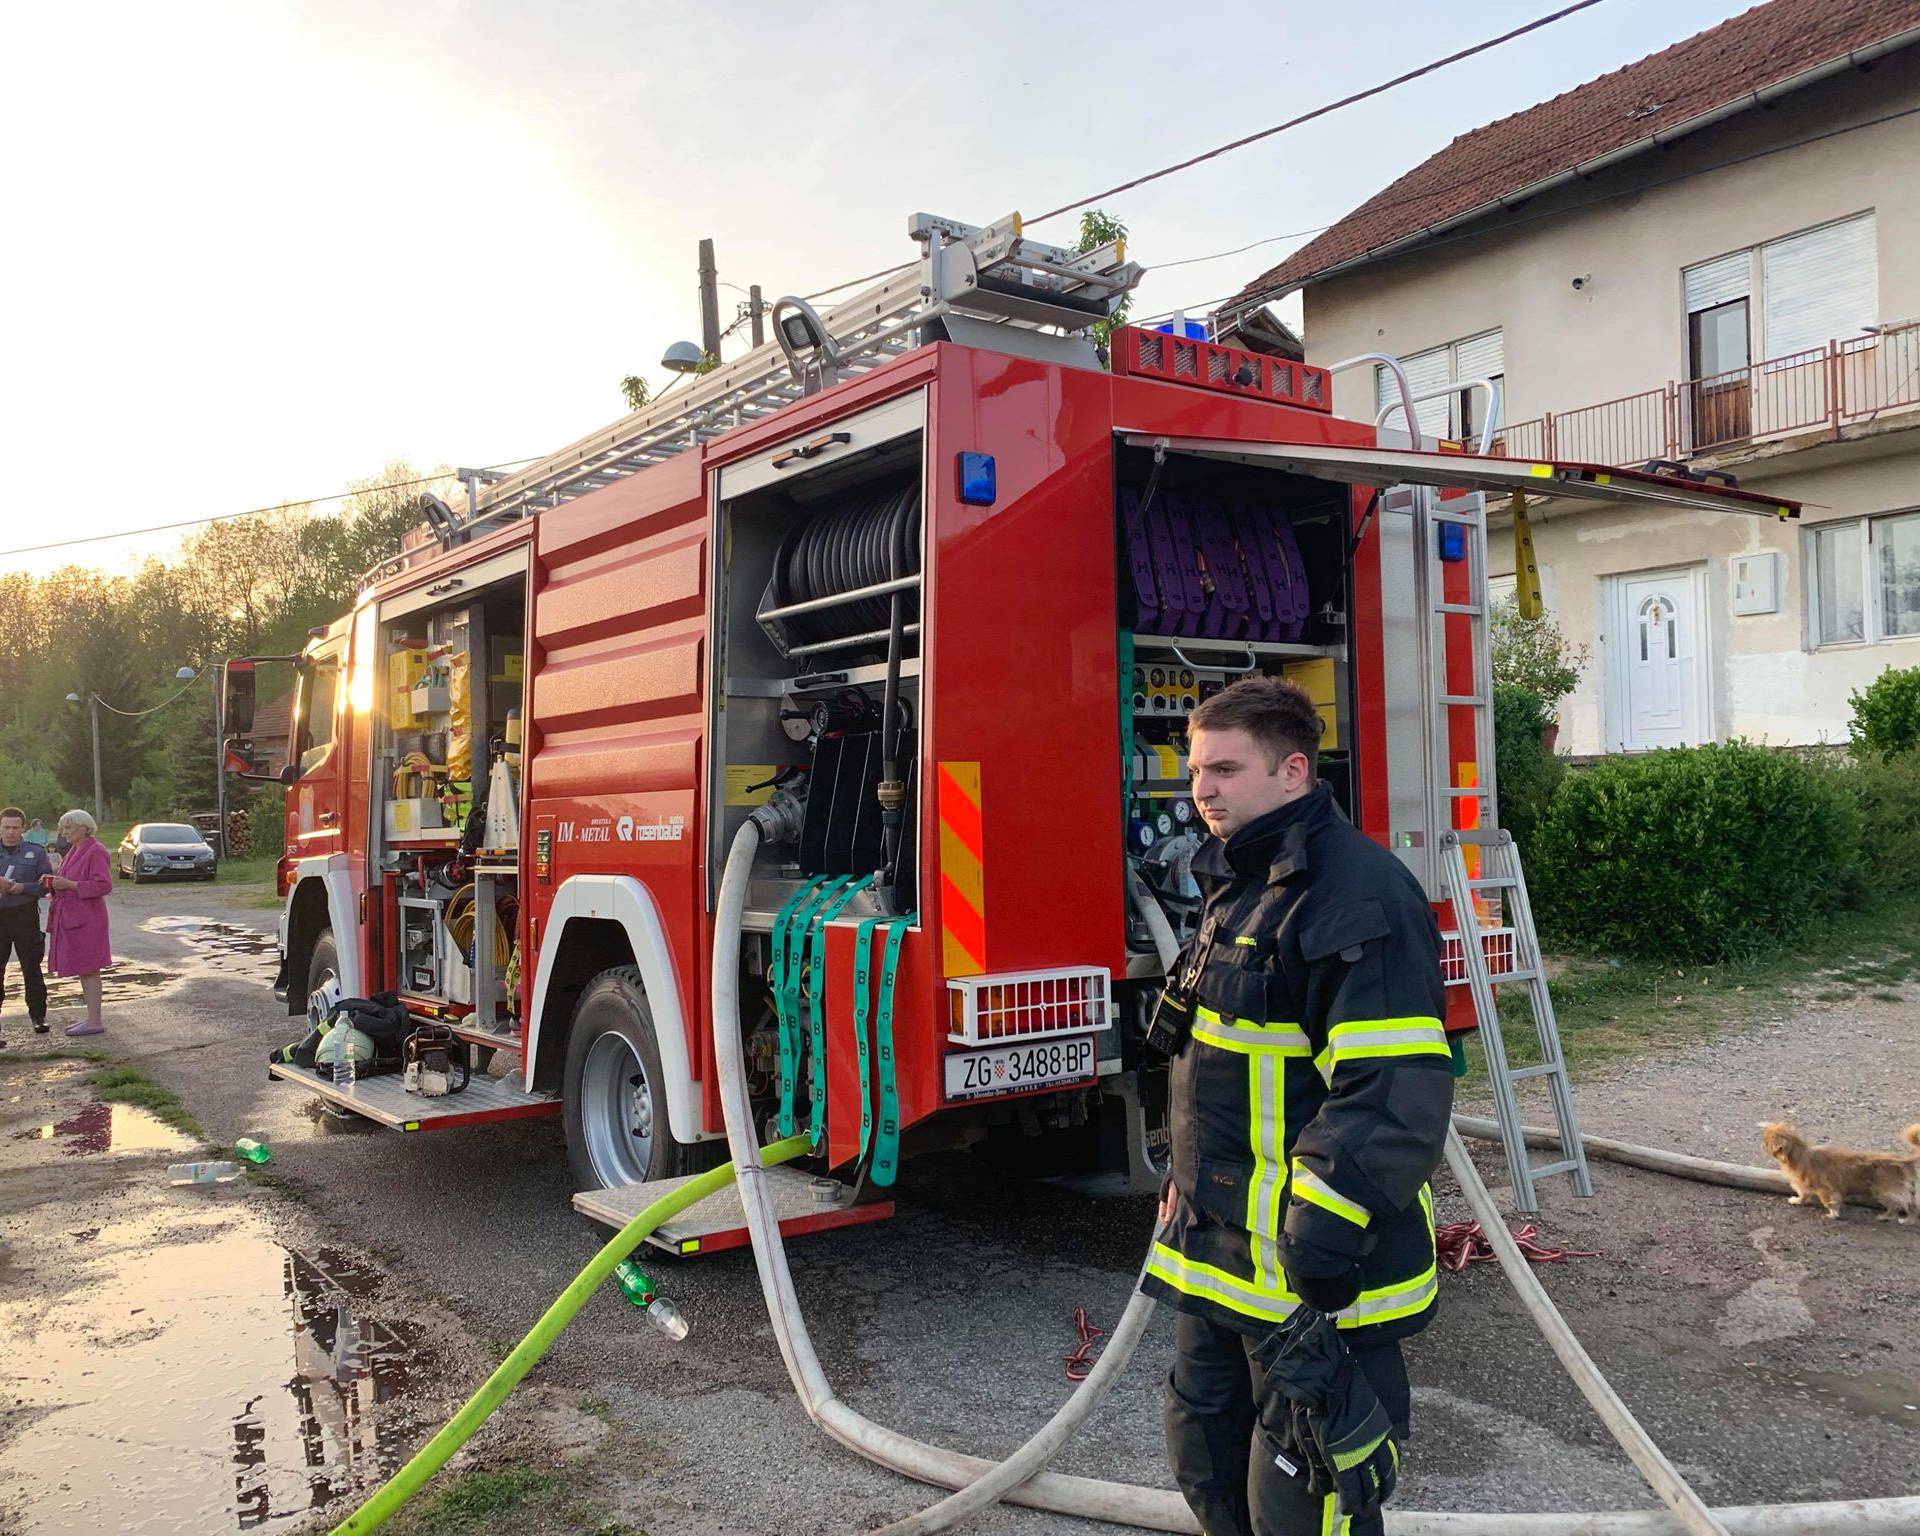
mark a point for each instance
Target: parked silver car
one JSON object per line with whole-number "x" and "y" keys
{"x": 158, "y": 850}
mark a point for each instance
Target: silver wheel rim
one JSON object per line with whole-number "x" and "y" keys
{"x": 616, "y": 1112}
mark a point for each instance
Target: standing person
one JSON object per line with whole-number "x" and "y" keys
{"x": 36, "y": 833}
{"x": 77, "y": 939}
{"x": 1311, "y": 1084}
{"x": 22, "y": 864}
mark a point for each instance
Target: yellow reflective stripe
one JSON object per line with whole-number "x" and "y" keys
{"x": 1332, "y": 1522}
{"x": 1232, "y": 1034}
{"x": 1391, "y": 1301}
{"x": 1309, "y": 1186}
{"x": 1271, "y": 1302}
{"x": 1266, "y": 1134}
{"x": 1360, "y": 1039}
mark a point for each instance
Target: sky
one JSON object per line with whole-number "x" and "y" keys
{"x": 260, "y": 249}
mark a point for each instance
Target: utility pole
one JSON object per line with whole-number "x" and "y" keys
{"x": 754, "y": 311}
{"x": 709, "y": 302}
{"x": 220, "y": 757}
{"x": 99, "y": 800}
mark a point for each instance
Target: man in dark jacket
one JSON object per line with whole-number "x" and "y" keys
{"x": 1310, "y": 1099}
{"x": 22, "y": 863}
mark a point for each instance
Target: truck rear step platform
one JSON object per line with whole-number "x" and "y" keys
{"x": 382, "y": 1099}
{"x": 718, "y": 1222}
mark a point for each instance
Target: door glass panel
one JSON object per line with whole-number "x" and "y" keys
{"x": 1898, "y": 539}
{"x": 317, "y": 692}
{"x": 1720, "y": 340}
{"x": 1840, "y": 601}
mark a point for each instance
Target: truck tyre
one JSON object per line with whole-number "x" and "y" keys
{"x": 323, "y": 965}
{"x": 615, "y": 1099}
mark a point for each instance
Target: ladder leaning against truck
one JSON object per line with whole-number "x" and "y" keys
{"x": 938, "y": 587}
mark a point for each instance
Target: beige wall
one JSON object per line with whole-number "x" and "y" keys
{"x": 1624, "y": 332}
{"x": 1768, "y": 683}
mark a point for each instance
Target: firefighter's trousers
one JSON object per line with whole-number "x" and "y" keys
{"x": 1220, "y": 1455}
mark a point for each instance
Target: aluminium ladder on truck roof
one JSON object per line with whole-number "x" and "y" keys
{"x": 966, "y": 284}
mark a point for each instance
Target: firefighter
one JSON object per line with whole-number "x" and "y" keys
{"x": 1311, "y": 1085}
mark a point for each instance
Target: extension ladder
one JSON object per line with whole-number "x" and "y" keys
{"x": 1517, "y": 948}
{"x": 1480, "y": 864}
{"x": 966, "y": 284}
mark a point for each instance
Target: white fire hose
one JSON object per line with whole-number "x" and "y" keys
{"x": 1019, "y": 1480}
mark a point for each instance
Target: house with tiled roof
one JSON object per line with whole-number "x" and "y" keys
{"x": 1709, "y": 257}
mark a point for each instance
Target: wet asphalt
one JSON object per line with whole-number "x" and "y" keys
{"x": 1773, "y": 1355}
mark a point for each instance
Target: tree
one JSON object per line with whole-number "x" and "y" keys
{"x": 636, "y": 390}
{"x": 1098, "y": 229}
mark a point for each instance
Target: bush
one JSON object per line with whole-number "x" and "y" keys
{"x": 1888, "y": 790}
{"x": 1695, "y": 854}
{"x": 1886, "y": 713}
{"x": 34, "y": 790}
{"x": 1526, "y": 774}
{"x": 266, "y": 821}
{"x": 1533, "y": 654}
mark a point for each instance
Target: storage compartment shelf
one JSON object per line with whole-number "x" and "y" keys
{"x": 1217, "y": 647}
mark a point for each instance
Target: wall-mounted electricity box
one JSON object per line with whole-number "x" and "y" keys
{"x": 1756, "y": 583}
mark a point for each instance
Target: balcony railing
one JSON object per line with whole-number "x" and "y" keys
{"x": 1845, "y": 383}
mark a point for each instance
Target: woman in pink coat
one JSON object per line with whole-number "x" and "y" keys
{"x": 77, "y": 943}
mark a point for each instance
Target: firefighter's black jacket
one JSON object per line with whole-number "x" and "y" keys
{"x": 1313, "y": 1093}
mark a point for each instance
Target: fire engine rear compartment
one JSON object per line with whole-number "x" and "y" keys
{"x": 1224, "y": 571}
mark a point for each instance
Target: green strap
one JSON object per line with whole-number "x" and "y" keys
{"x": 886, "y": 1151}
{"x": 787, "y": 952}
{"x": 862, "y": 973}
{"x": 817, "y": 990}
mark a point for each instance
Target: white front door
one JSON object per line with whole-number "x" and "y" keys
{"x": 1655, "y": 662}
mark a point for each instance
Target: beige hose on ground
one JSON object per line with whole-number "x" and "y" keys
{"x": 1705, "y": 1169}
{"x": 1161, "y": 1509}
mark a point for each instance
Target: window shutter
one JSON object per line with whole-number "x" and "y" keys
{"x": 1481, "y": 357}
{"x": 1431, "y": 369}
{"x": 1818, "y": 286}
{"x": 1719, "y": 281}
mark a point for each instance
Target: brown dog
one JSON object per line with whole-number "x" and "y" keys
{"x": 1836, "y": 1175}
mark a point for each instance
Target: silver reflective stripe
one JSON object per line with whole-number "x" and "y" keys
{"x": 1398, "y": 1302}
{"x": 1399, "y": 1034}
{"x": 1237, "y": 1296}
{"x": 1288, "y": 1039}
{"x": 1268, "y": 1134}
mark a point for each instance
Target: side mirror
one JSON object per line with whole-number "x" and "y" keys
{"x": 287, "y": 775}
{"x": 237, "y": 706}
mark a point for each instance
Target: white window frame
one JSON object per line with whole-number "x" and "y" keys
{"x": 1874, "y": 618}
{"x": 1760, "y": 347}
{"x": 1462, "y": 403}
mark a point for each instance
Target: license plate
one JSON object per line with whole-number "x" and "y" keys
{"x": 1001, "y": 1069}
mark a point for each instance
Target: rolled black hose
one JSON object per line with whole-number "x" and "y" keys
{"x": 870, "y": 539}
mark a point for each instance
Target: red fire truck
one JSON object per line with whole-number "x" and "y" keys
{"x": 940, "y": 581}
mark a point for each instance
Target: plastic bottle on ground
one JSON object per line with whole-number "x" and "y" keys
{"x": 255, "y": 1152}
{"x": 220, "y": 1172}
{"x": 638, "y": 1288}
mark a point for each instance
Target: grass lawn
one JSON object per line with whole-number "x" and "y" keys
{"x": 1609, "y": 1009}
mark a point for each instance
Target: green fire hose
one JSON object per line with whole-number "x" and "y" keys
{"x": 408, "y": 1481}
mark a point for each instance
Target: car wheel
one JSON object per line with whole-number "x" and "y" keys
{"x": 138, "y": 878}
{"x": 615, "y": 1102}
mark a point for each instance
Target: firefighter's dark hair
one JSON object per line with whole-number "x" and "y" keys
{"x": 12, "y": 810}
{"x": 1274, "y": 712}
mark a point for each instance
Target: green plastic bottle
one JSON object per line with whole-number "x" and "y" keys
{"x": 638, "y": 1288}
{"x": 255, "y": 1152}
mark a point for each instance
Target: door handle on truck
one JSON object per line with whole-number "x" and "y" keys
{"x": 327, "y": 818}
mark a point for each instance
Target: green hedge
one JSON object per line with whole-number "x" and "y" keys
{"x": 1888, "y": 790}
{"x": 1696, "y": 854}
{"x": 1886, "y": 714}
{"x": 1526, "y": 774}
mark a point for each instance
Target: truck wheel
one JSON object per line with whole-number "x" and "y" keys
{"x": 615, "y": 1100}
{"x": 323, "y": 965}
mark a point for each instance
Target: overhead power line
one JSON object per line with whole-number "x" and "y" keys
{"x": 227, "y": 517}
{"x": 1333, "y": 106}
{"x": 1265, "y": 133}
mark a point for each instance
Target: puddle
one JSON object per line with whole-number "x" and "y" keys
{"x": 116, "y": 985}
{"x": 1876, "y": 1394}
{"x": 221, "y": 1383}
{"x": 109, "y": 1128}
{"x": 225, "y": 947}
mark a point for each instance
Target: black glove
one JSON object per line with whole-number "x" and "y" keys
{"x": 1325, "y": 1280}
{"x": 1307, "y": 1363}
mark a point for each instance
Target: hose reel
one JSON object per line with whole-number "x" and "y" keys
{"x": 871, "y": 539}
